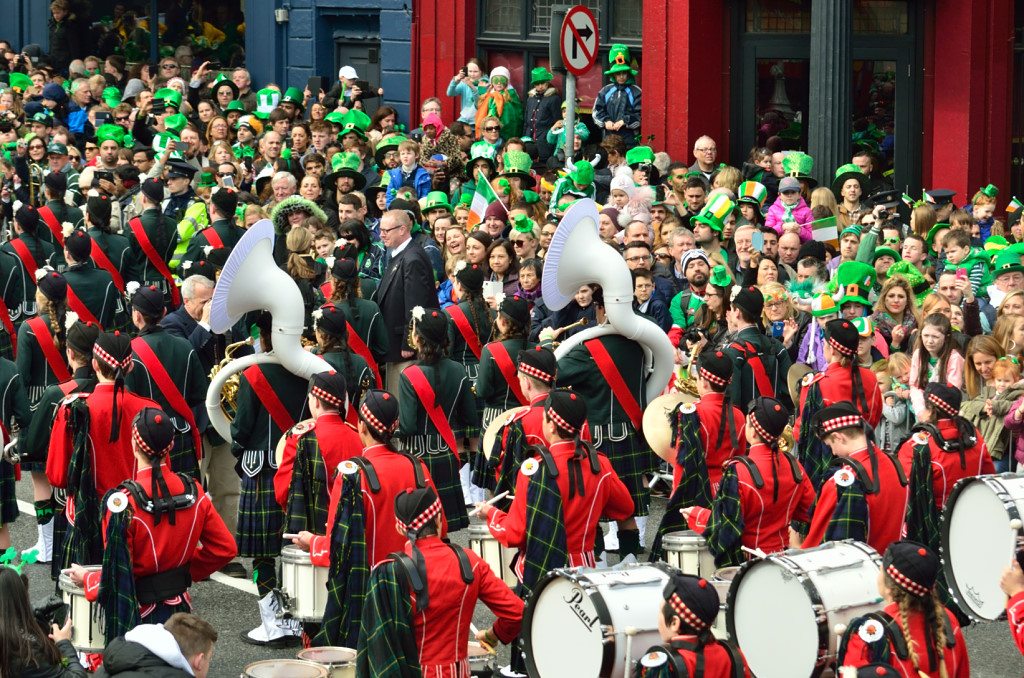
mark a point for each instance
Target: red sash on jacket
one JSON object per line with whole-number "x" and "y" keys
{"x": 27, "y": 260}
{"x": 465, "y": 329}
{"x": 614, "y": 378}
{"x": 268, "y": 397}
{"x": 68, "y": 387}
{"x": 357, "y": 344}
{"x": 158, "y": 263}
{"x": 165, "y": 384}
{"x": 764, "y": 384}
{"x": 50, "y": 219}
{"x": 425, "y": 392}
{"x": 212, "y": 237}
{"x": 327, "y": 289}
{"x": 100, "y": 258}
{"x": 50, "y": 353}
{"x": 79, "y": 307}
{"x": 5, "y": 318}
{"x": 508, "y": 370}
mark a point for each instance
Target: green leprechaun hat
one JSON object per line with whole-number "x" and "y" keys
{"x": 175, "y": 123}
{"x": 619, "y": 60}
{"x": 1007, "y": 261}
{"x": 267, "y": 100}
{"x": 518, "y": 164}
{"x": 752, "y": 192}
{"x": 167, "y": 97}
{"x": 385, "y": 146}
{"x": 845, "y": 173}
{"x": 934, "y": 231}
{"x": 539, "y": 75}
{"x": 111, "y": 97}
{"x": 854, "y": 280}
{"x": 639, "y": 155}
{"x": 481, "y": 150}
{"x": 345, "y": 165}
{"x": 293, "y": 95}
{"x": 715, "y": 212}
{"x": 354, "y": 122}
{"x": 19, "y": 82}
{"x": 823, "y": 305}
{"x": 799, "y": 165}
{"x": 435, "y": 200}
{"x": 720, "y": 277}
{"x": 918, "y": 283}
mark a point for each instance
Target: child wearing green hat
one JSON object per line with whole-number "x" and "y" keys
{"x": 578, "y": 182}
{"x": 541, "y": 112}
{"x": 960, "y": 255}
{"x": 982, "y": 208}
{"x": 617, "y": 106}
{"x": 556, "y": 135}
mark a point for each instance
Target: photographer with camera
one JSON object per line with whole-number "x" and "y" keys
{"x": 27, "y": 650}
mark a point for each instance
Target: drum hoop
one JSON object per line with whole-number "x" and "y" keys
{"x": 608, "y": 650}
{"x": 994, "y": 482}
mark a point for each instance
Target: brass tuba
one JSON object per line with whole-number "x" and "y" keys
{"x": 229, "y": 392}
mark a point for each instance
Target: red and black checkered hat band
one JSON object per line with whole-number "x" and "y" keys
{"x": 373, "y": 422}
{"x": 839, "y": 348}
{"x": 562, "y": 423}
{"x": 327, "y": 396}
{"x": 420, "y": 520}
{"x": 110, "y": 360}
{"x": 906, "y": 583}
{"x": 942, "y": 405}
{"x": 767, "y": 437}
{"x": 144, "y": 446}
{"x": 531, "y": 371}
{"x": 713, "y": 378}
{"x": 839, "y": 423}
{"x": 685, "y": 613}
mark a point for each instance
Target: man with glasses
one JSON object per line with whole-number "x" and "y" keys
{"x": 91, "y": 151}
{"x": 57, "y": 154}
{"x": 705, "y": 152}
{"x": 646, "y": 302}
{"x": 637, "y": 254}
{"x": 142, "y": 160}
{"x": 169, "y": 68}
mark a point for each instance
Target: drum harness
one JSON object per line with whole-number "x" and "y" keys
{"x": 871, "y": 483}
{"x": 373, "y": 480}
{"x": 963, "y": 442}
{"x": 698, "y": 650}
{"x": 894, "y": 633}
{"x": 584, "y": 450}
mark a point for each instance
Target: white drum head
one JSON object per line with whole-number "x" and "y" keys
{"x": 285, "y": 668}
{"x": 771, "y": 619}
{"x": 979, "y": 545}
{"x": 565, "y": 631}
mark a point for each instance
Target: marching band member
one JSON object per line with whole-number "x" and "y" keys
{"x": 312, "y": 452}
{"x": 759, "y": 494}
{"x": 436, "y": 401}
{"x": 760, "y": 362}
{"x": 270, "y": 402}
{"x": 33, "y": 441}
{"x": 92, "y": 294}
{"x": 866, "y": 497}
{"x": 615, "y": 396}
{"x": 843, "y": 380}
{"x": 91, "y": 447}
{"x": 333, "y": 332}
{"x": 110, "y": 251}
{"x": 222, "y": 233}
{"x": 367, "y": 333}
{"x": 536, "y": 370}
{"x": 152, "y": 237}
{"x": 555, "y": 524}
{"x": 153, "y": 525}
{"x": 685, "y": 620}
{"x": 33, "y": 254}
{"x": 913, "y": 633}
{"x": 361, "y": 522}
{"x": 419, "y": 603}
{"x": 14, "y": 414}
{"x": 1012, "y": 583}
{"x": 167, "y": 370}
{"x": 497, "y": 382}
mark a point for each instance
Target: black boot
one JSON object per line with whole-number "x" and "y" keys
{"x": 629, "y": 542}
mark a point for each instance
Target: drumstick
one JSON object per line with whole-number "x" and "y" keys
{"x": 289, "y": 535}
{"x": 488, "y": 503}
{"x": 474, "y": 630}
{"x": 757, "y": 553}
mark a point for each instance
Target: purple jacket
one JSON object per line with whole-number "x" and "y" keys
{"x": 801, "y": 215}
{"x": 1017, "y": 428}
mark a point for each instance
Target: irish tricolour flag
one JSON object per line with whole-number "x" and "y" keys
{"x": 482, "y": 199}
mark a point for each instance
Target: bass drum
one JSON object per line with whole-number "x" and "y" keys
{"x": 981, "y": 530}
{"x": 787, "y": 611}
{"x": 575, "y": 621}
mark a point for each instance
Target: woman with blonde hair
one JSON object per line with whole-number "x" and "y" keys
{"x": 1009, "y": 332}
{"x": 895, "y": 315}
{"x": 922, "y": 219}
{"x": 823, "y": 196}
{"x": 1012, "y": 304}
{"x": 305, "y": 270}
{"x": 982, "y": 353}
{"x": 728, "y": 178}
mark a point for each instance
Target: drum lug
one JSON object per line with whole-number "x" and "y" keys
{"x": 608, "y": 633}
{"x": 820, "y": 616}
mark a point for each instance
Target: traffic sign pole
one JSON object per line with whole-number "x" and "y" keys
{"x": 570, "y": 117}
{"x": 577, "y": 43}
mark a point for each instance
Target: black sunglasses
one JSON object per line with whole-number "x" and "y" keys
{"x": 491, "y": 129}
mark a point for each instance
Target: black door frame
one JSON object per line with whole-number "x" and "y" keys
{"x": 905, "y": 50}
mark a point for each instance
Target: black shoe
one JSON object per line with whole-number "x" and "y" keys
{"x": 629, "y": 543}
{"x": 275, "y": 644}
{"x": 235, "y": 569}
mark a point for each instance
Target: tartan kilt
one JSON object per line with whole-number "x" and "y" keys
{"x": 8, "y": 500}
{"x": 444, "y": 471}
{"x": 183, "y": 456}
{"x": 260, "y": 518}
{"x": 162, "y": 611}
{"x": 632, "y": 461}
{"x": 33, "y": 466}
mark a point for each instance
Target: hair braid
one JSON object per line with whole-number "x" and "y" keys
{"x": 903, "y": 600}
{"x": 56, "y": 313}
{"x": 473, "y": 300}
{"x": 934, "y": 617}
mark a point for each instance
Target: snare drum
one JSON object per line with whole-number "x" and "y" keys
{"x": 482, "y": 663}
{"x": 493, "y": 553}
{"x": 688, "y": 552}
{"x": 787, "y": 611}
{"x": 722, "y": 581}
{"x": 575, "y": 621}
{"x": 87, "y": 619}
{"x": 339, "y": 661}
{"x": 304, "y": 584}
{"x": 284, "y": 668}
{"x": 981, "y": 527}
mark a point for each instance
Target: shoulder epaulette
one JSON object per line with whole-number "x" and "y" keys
{"x": 303, "y": 427}
{"x": 812, "y": 377}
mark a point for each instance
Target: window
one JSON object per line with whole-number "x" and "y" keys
{"x": 530, "y": 20}
{"x": 541, "y": 13}
{"x": 881, "y": 17}
{"x": 778, "y": 16}
{"x": 627, "y": 20}
{"x": 502, "y": 16}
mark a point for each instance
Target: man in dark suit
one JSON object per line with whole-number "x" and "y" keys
{"x": 408, "y": 282}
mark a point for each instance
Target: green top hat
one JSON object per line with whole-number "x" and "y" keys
{"x": 435, "y": 200}
{"x": 619, "y": 60}
{"x": 167, "y": 97}
{"x": 845, "y": 173}
{"x": 539, "y": 75}
{"x": 111, "y": 96}
{"x": 990, "y": 190}
{"x": 523, "y": 224}
{"x": 752, "y": 192}
{"x": 19, "y": 82}
{"x": 917, "y": 281}
{"x": 582, "y": 173}
{"x": 715, "y": 212}
{"x": 175, "y": 123}
{"x": 934, "y": 231}
{"x": 220, "y": 80}
{"x": 886, "y": 251}
{"x": 720, "y": 277}
{"x": 518, "y": 164}
{"x": 235, "y": 105}
{"x": 354, "y": 122}
{"x": 799, "y": 165}
{"x": 640, "y": 155}
{"x": 335, "y": 117}
{"x": 267, "y": 100}
{"x": 206, "y": 180}
{"x": 854, "y": 280}
{"x": 1007, "y": 261}
{"x": 293, "y": 96}
{"x": 110, "y": 133}
{"x": 481, "y": 150}
{"x": 386, "y": 145}
{"x": 345, "y": 165}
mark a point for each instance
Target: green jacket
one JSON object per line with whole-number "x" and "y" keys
{"x": 366, "y": 320}
{"x": 118, "y": 250}
{"x": 253, "y": 428}
{"x": 35, "y": 372}
{"x": 458, "y": 349}
{"x": 229, "y": 235}
{"x": 578, "y": 370}
{"x": 491, "y": 386}
{"x": 95, "y": 288}
{"x": 35, "y": 440}
{"x": 453, "y": 393}
{"x": 358, "y": 376}
{"x": 42, "y": 252}
{"x": 775, "y": 359}
{"x": 182, "y": 364}
{"x": 64, "y": 214}
{"x": 14, "y": 405}
{"x": 163, "y": 235}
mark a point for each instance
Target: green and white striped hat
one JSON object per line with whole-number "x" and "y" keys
{"x": 752, "y": 192}
{"x": 266, "y": 101}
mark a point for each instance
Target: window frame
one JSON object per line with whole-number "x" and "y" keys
{"x": 604, "y": 14}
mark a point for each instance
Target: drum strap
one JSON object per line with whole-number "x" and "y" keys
{"x": 417, "y": 470}
{"x": 465, "y": 567}
{"x": 680, "y": 666}
{"x": 369, "y": 472}
{"x": 545, "y": 455}
{"x": 755, "y": 474}
{"x": 795, "y": 467}
{"x": 179, "y": 501}
{"x": 870, "y": 483}
{"x": 417, "y": 580}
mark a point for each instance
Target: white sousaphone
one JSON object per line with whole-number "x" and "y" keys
{"x": 578, "y": 257}
{"x": 252, "y": 281}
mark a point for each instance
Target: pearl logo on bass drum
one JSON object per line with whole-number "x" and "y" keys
{"x": 573, "y": 601}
